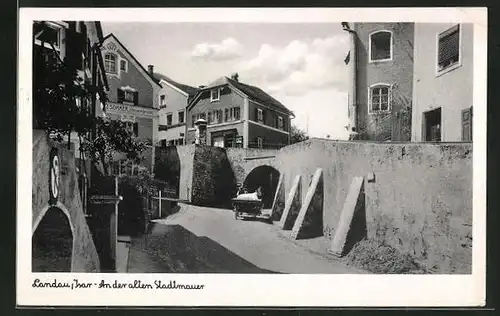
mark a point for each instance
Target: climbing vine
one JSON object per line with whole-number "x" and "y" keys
{"x": 64, "y": 103}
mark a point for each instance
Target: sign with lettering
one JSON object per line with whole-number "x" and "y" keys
{"x": 125, "y": 109}
{"x": 54, "y": 177}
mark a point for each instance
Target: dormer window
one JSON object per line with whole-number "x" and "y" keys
{"x": 214, "y": 95}
{"x": 110, "y": 63}
{"x": 380, "y": 46}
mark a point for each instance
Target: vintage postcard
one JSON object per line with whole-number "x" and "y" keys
{"x": 252, "y": 157}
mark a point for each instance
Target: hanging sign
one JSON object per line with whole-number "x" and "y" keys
{"x": 54, "y": 176}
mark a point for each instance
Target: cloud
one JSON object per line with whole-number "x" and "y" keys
{"x": 226, "y": 50}
{"x": 299, "y": 66}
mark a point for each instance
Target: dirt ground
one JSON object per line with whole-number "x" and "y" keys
{"x": 208, "y": 240}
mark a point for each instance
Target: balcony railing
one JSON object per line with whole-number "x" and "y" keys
{"x": 263, "y": 145}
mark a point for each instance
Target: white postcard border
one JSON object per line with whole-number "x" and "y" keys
{"x": 256, "y": 289}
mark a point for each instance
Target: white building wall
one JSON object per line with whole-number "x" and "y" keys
{"x": 452, "y": 91}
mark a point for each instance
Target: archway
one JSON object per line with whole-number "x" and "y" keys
{"x": 52, "y": 243}
{"x": 265, "y": 177}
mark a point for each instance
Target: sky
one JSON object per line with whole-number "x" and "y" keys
{"x": 301, "y": 65}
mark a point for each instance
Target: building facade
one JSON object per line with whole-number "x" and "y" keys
{"x": 380, "y": 64}
{"x": 443, "y": 86}
{"x": 78, "y": 44}
{"x": 133, "y": 96}
{"x": 173, "y": 101}
{"x": 239, "y": 115}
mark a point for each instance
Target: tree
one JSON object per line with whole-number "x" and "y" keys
{"x": 297, "y": 135}
{"x": 64, "y": 103}
{"x": 112, "y": 137}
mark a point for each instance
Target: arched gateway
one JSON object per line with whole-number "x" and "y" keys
{"x": 265, "y": 177}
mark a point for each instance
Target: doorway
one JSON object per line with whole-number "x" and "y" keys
{"x": 432, "y": 126}
{"x": 218, "y": 141}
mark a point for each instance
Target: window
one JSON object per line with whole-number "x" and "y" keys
{"x": 218, "y": 141}
{"x": 381, "y": 46}
{"x": 380, "y": 98}
{"x": 210, "y": 117}
{"x": 162, "y": 100}
{"x": 128, "y": 96}
{"x": 226, "y": 115}
{"x": 123, "y": 65}
{"x": 110, "y": 63}
{"x": 181, "y": 117}
{"x": 259, "y": 142}
{"x": 214, "y": 95}
{"x": 448, "y": 48}
{"x": 218, "y": 116}
{"x": 280, "y": 122}
{"x": 169, "y": 119}
{"x": 260, "y": 115}
{"x": 133, "y": 128}
{"x": 236, "y": 113}
{"x": 136, "y": 129}
{"x": 49, "y": 33}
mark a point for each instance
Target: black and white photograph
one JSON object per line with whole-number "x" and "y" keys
{"x": 259, "y": 147}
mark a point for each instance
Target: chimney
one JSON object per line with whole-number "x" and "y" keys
{"x": 150, "y": 69}
{"x": 235, "y": 76}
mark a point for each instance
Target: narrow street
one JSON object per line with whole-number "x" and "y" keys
{"x": 208, "y": 240}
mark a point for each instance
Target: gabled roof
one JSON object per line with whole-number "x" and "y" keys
{"x": 190, "y": 91}
{"x": 257, "y": 94}
{"x": 252, "y": 92}
{"x": 134, "y": 60}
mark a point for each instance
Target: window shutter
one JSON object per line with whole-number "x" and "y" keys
{"x": 120, "y": 95}
{"x": 136, "y": 129}
{"x": 256, "y": 114}
{"x": 136, "y": 98}
{"x": 449, "y": 45}
{"x": 467, "y": 125}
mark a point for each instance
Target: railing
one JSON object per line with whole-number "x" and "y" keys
{"x": 265, "y": 145}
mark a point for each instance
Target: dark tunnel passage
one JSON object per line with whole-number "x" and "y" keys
{"x": 265, "y": 177}
{"x": 52, "y": 243}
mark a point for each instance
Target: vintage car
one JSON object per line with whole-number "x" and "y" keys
{"x": 249, "y": 205}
